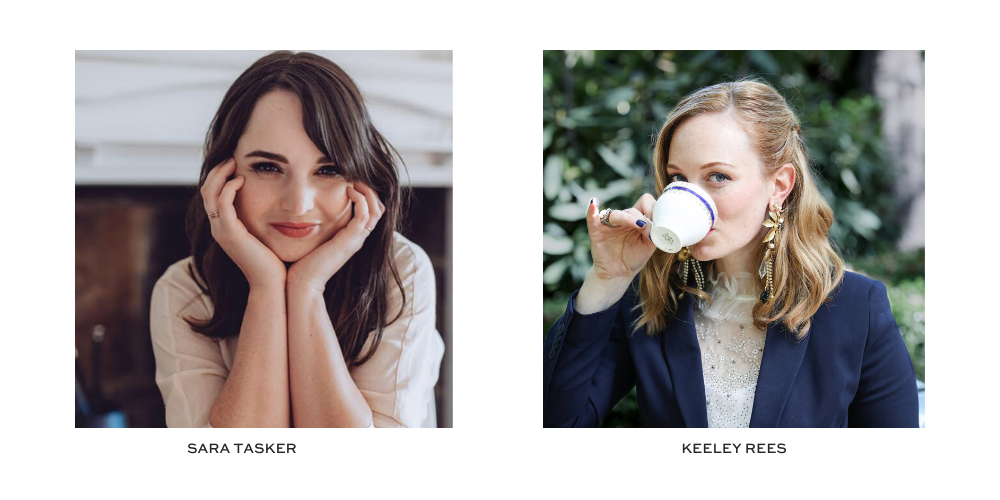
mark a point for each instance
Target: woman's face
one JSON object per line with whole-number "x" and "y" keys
{"x": 288, "y": 181}
{"x": 713, "y": 151}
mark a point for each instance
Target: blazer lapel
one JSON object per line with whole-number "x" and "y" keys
{"x": 778, "y": 367}
{"x": 782, "y": 358}
{"x": 683, "y": 355}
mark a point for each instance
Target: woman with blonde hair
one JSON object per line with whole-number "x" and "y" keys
{"x": 756, "y": 325}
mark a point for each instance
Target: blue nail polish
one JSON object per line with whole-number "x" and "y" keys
{"x": 591, "y": 201}
{"x": 640, "y": 223}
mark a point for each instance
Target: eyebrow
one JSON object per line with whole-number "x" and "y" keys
{"x": 280, "y": 158}
{"x": 703, "y": 167}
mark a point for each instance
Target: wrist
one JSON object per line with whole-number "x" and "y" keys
{"x": 301, "y": 284}
{"x": 267, "y": 285}
{"x": 609, "y": 285}
{"x": 598, "y": 294}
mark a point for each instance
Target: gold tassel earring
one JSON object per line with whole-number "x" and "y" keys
{"x": 699, "y": 279}
{"x": 776, "y": 223}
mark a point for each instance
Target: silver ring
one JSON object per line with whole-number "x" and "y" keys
{"x": 605, "y": 214}
{"x": 213, "y": 215}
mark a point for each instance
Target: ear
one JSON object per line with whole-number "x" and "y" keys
{"x": 784, "y": 181}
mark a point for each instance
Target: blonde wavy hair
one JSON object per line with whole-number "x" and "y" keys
{"x": 806, "y": 268}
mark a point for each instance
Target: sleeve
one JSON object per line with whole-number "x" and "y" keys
{"x": 887, "y": 389}
{"x": 587, "y": 365}
{"x": 190, "y": 370}
{"x": 398, "y": 380}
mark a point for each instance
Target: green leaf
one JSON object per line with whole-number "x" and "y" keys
{"x": 619, "y": 161}
{"x": 765, "y": 61}
{"x": 863, "y": 221}
{"x": 866, "y": 223}
{"x": 614, "y": 96}
{"x": 568, "y": 211}
{"x": 627, "y": 152}
{"x": 581, "y": 113}
{"x": 555, "y": 271}
{"x": 847, "y": 175}
{"x": 556, "y": 245}
{"x": 701, "y": 58}
{"x": 553, "y": 175}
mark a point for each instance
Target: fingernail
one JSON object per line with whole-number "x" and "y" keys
{"x": 591, "y": 201}
{"x": 650, "y": 235}
{"x": 640, "y": 223}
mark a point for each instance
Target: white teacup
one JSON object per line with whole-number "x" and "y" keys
{"x": 682, "y": 216}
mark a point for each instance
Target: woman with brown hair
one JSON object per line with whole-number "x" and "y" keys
{"x": 300, "y": 305}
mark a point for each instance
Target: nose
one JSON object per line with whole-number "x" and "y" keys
{"x": 298, "y": 197}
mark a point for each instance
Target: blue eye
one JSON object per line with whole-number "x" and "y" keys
{"x": 678, "y": 178}
{"x": 264, "y": 168}
{"x": 671, "y": 176}
{"x": 719, "y": 177}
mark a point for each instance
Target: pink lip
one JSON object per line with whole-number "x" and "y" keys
{"x": 295, "y": 224}
{"x": 295, "y": 229}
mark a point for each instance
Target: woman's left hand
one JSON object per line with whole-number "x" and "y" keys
{"x": 319, "y": 265}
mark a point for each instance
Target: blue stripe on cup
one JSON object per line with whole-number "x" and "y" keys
{"x": 707, "y": 204}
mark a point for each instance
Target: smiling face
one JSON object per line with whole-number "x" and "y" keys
{"x": 714, "y": 152}
{"x": 285, "y": 184}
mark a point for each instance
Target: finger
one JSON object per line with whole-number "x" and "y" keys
{"x": 624, "y": 218}
{"x": 617, "y": 218}
{"x": 227, "y": 212}
{"x": 642, "y": 223}
{"x": 636, "y": 212}
{"x": 613, "y": 218}
{"x": 645, "y": 204}
{"x": 593, "y": 217}
{"x": 360, "y": 205}
{"x": 214, "y": 182}
{"x": 217, "y": 177}
{"x": 374, "y": 211}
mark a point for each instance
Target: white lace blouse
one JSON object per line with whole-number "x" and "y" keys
{"x": 731, "y": 348}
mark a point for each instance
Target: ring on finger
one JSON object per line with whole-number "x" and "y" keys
{"x": 369, "y": 229}
{"x": 605, "y": 214}
{"x": 213, "y": 215}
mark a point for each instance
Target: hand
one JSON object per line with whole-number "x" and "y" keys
{"x": 620, "y": 252}
{"x": 259, "y": 264}
{"x": 317, "y": 267}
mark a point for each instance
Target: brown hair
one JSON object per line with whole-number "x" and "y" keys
{"x": 806, "y": 268}
{"x": 336, "y": 120}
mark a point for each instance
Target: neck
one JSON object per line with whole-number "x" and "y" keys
{"x": 734, "y": 263}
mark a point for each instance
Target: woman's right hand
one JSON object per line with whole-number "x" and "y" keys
{"x": 259, "y": 264}
{"x": 620, "y": 252}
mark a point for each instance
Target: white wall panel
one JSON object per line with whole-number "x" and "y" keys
{"x": 141, "y": 116}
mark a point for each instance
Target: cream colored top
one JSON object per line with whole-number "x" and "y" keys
{"x": 731, "y": 347}
{"x": 397, "y": 381}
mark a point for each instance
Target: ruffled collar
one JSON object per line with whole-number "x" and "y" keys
{"x": 739, "y": 286}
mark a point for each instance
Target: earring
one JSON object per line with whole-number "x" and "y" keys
{"x": 776, "y": 223}
{"x": 699, "y": 279}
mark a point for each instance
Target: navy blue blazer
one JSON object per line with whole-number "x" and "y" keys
{"x": 851, "y": 370}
